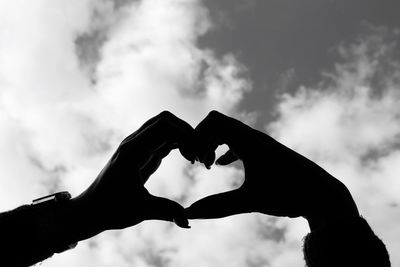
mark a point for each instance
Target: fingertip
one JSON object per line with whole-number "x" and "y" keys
{"x": 167, "y": 210}
{"x": 179, "y": 217}
{"x": 182, "y": 222}
{"x": 188, "y": 154}
{"x": 209, "y": 160}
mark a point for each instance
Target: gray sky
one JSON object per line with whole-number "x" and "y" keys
{"x": 287, "y": 43}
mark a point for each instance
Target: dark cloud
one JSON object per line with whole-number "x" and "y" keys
{"x": 54, "y": 174}
{"x": 122, "y": 3}
{"x": 276, "y": 36}
{"x": 105, "y": 14}
{"x": 87, "y": 47}
{"x": 155, "y": 258}
{"x": 270, "y": 230}
{"x": 257, "y": 262}
{"x": 347, "y": 127}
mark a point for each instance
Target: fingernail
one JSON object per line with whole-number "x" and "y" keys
{"x": 181, "y": 222}
{"x": 208, "y": 167}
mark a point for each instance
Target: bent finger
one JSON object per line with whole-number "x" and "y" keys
{"x": 227, "y": 158}
{"x": 218, "y": 128}
{"x": 167, "y": 129}
{"x": 145, "y": 125}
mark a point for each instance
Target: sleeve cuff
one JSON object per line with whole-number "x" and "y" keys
{"x": 348, "y": 243}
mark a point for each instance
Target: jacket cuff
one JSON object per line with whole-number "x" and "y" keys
{"x": 346, "y": 243}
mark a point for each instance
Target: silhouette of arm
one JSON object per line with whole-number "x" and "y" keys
{"x": 31, "y": 234}
{"x": 115, "y": 200}
{"x": 280, "y": 182}
{"x": 345, "y": 243}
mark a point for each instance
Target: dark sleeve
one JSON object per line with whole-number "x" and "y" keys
{"x": 21, "y": 242}
{"x": 350, "y": 243}
{"x": 30, "y": 234}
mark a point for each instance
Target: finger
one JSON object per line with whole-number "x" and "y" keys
{"x": 171, "y": 129}
{"x": 227, "y": 158}
{"x": 209, "y": 158}
{"x": 159, "y": 208}
{"x": 185, "y": 138}
{"x": 155, "y": 161}
{"x": 219, "y": 205}
{"x": 218, "y": 128}
{"x": 168, "y": 129}
{"x": 144, "y": 126}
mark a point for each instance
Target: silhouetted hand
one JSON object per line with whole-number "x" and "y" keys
{"x": 278, "y": 181}
{"x": 118, "y": 198}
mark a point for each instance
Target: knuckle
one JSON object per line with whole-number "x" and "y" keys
{"x": 214, "y": 114}
{"x": 163, "y": 122}
{"x": 163, "y": 126}
{"x": 165, "y": 114}
{"x": 123, "y": 147}
{"x": 124, "y": 142}
{"x": 214, "y": 118}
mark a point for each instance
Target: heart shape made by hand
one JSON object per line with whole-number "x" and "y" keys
{"x": 278, "y": 181}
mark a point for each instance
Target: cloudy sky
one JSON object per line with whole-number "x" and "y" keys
{"x": 323, "y": 77}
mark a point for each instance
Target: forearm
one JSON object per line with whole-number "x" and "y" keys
{"x": 340, "y": 236}
{"x": 20, "y": 242}
{"x": 31, "y": 234}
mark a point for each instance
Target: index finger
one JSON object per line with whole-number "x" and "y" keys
{"x": 167, "y": 129}
{"x": 217, "y": 129}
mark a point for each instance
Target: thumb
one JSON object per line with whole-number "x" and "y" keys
{"x": 219, "y": 205}
{"x": 227, "y": 158}
{"x": 160, "y": 208}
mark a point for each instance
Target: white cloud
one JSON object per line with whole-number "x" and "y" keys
{"x": 38, "y": 78}
{"x": 350, "y": 125}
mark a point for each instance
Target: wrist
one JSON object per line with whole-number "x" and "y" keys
{"x": 318, "y": 222}
{"x": 335, "y": 205}
{"x": 340, "y": 213}
{"x": 79, "y": 223}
